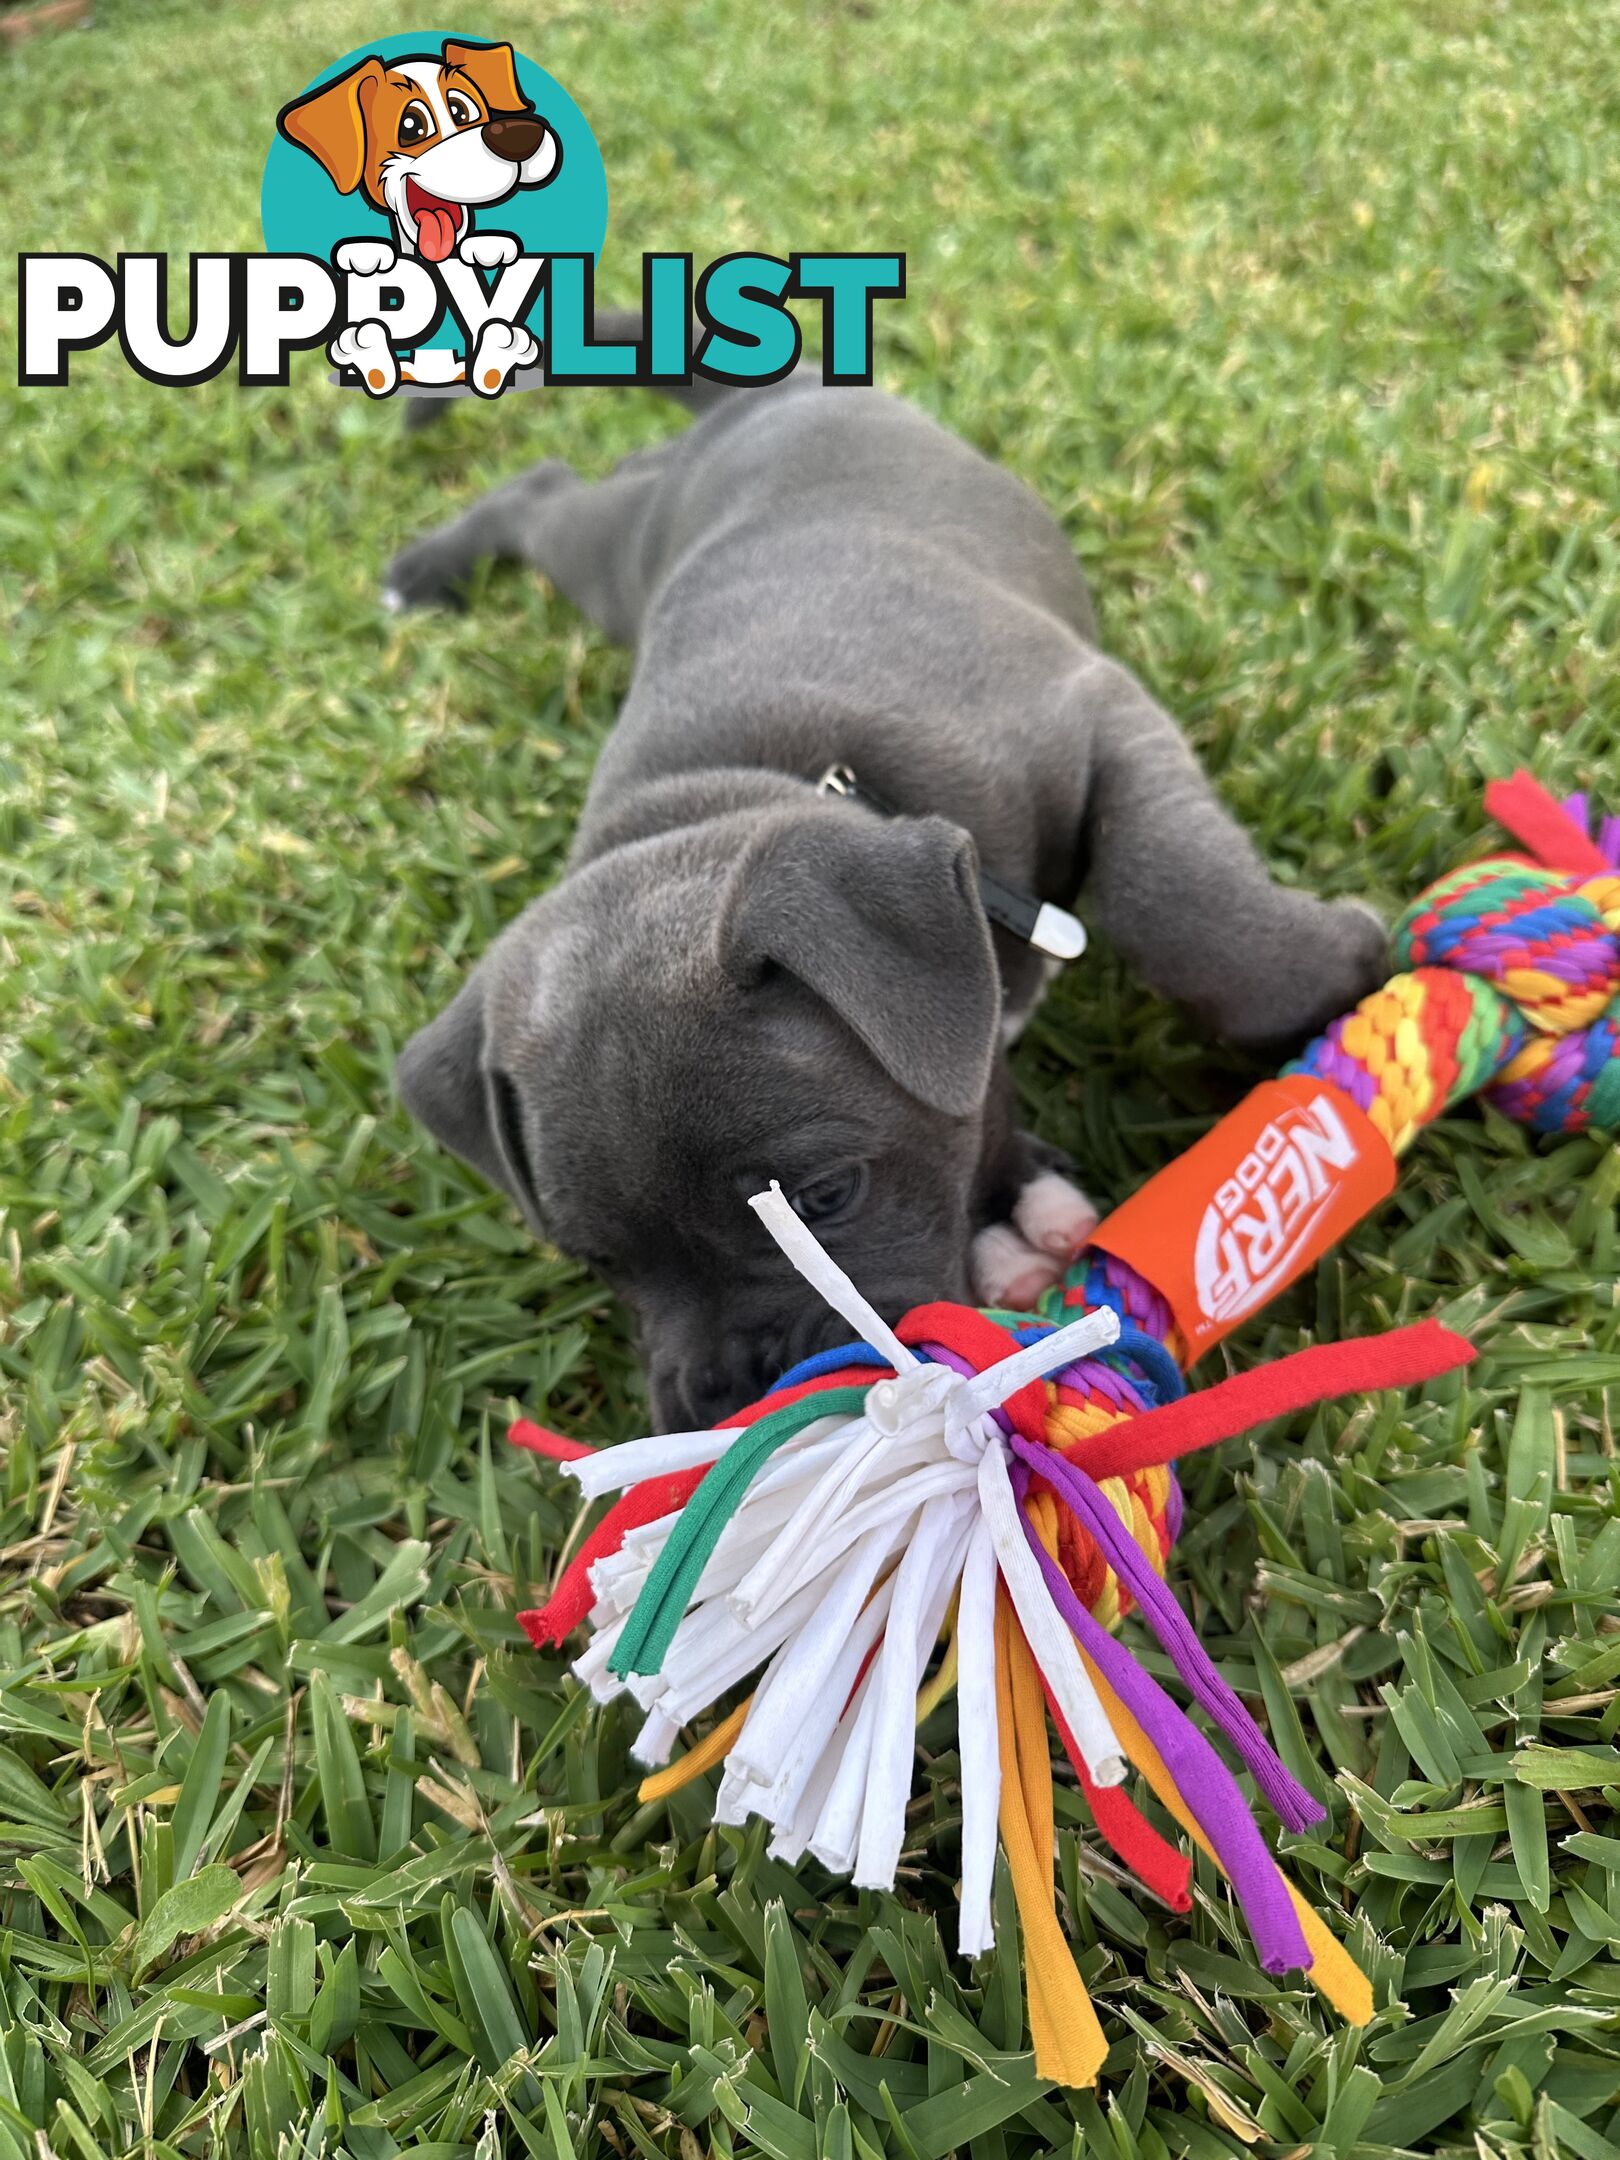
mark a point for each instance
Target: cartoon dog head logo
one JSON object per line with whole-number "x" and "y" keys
{"x": 428, "y": 139}
{"x": 438, "y": 175}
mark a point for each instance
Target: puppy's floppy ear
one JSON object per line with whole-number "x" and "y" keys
{"x": 447, "y": 1081}
{"x": 881, "y": 919}
{"x": 493, "y": 71}
{"x": 330, "y": 123}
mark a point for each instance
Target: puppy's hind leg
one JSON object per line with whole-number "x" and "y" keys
{"x": 1184, "y": 895}
{"x": 585, "y": 538}
{"x": 499, "y": 527}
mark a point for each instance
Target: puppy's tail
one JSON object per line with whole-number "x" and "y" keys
{"x": 618, "y": 326}
{"x": 623, "y": 326}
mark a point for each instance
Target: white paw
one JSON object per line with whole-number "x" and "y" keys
{"x": 1008, "y": 1272}
{"x": 365, "y": 348}
{"x": 501, "y": 348}
{"x": 1055, "y": 1216}
{"x": 488, "y": 250}
{"x": 365, "y": 258}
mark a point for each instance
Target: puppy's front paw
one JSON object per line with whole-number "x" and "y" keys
{"x": 365, "y": 258}
{"x": 365, "y": 348}
{"x": 1054, "y": 1216}
{"x": 502, "y": 348}
{"x": 1008, "y": 1271}
{"x": 426, "y": 574}
{"x": 488, "y": 250}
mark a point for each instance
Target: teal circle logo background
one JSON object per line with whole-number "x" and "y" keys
{"x": 303, "y": 214}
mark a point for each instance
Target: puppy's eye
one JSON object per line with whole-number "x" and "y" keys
{"x": 415, "y": 123}
{"x": 828, "y": 1198}
{"x": 461, "y": 109}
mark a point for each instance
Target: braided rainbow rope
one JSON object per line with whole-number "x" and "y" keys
{"x": 1513, "y": 988}
{"x": 975, "y": 1500}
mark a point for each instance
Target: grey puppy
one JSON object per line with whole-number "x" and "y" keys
{"x": 740, "y": 977}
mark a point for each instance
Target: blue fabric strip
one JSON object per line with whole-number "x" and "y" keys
{"x": 826, "y": 1361}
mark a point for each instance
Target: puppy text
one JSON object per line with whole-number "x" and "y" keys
{"x": 735, "y": 322}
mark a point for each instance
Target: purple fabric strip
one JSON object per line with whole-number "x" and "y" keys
{"x": 1290, "y": 1801}
{"x": 1206, "y": 1785}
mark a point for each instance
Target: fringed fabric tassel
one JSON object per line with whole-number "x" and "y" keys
{"x": 822, "y": 1540}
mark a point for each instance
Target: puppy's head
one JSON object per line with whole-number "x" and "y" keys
{"x": 811, "y": 996}
{"x": 427, "y": 138}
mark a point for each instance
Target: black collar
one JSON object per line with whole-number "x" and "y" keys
{"x": 1051, "y": 930}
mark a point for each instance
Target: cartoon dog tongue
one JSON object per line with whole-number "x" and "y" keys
{"x": 436, "y": 225}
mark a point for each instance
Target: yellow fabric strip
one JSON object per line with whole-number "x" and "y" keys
{"x": 1069, "y": 2043}
{"x": 940, "y": 1682}
{"x": 1333, "y": 1970}
{"x": 712, "y": 1748}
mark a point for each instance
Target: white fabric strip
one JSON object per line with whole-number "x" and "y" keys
{"x": 734, "y": 1797}
{"x": 1049, "y": 1639}
{"x": 868, "y": 1458}
{"x": 978, "y": 1741}
{"x": 648, "y": 1538}
{"x": 989, "y": 1389}
{"x": 767, "y": 1507}
{"x": 633, "y": 1462}
{"x": 734, "y": 1657}
{"x": 801, "y": 1671}
{"x": 591, "y": 1664}
{"x": 832, "y": 1840}
{"x": 792, "y": 1840}
{"x": 925, "y": 1579}
{"x": 816, "y": 1554}
{"x": 806, "y": 1523}
{"x": 655, "y": 1742}
{"x": 815, "y": 1738}
{"x": 822, "y": 1272}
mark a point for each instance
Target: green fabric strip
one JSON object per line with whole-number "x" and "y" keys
{"x": 667, "y": 1592}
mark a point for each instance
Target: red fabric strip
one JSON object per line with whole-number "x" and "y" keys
{"x": 981, "y": 1341}
{"x": 569, "y": 1603}
{"x": 571, "y": 1600}
{"x": 1523, "y": 807}
{"x": 1364, "y": 1363}
{"x": 1151, "y": 1859}
{"x": 541, "y": 1440}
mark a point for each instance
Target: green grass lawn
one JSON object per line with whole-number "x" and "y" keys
{"x": 1303, "y": 319}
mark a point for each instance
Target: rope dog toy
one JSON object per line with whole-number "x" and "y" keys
{"x": 1004, "y": 1481}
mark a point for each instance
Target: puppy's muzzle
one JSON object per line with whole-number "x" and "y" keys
{"x": 513, "y": 136}
{"x": 697, "y": 1378}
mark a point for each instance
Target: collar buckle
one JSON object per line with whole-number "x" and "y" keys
{"x": 1051, "y": 930}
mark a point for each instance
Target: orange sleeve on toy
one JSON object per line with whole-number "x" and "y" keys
{"x": 1252, "y": 1205}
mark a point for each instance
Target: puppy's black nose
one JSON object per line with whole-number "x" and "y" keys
{"x": 514, "y": 136}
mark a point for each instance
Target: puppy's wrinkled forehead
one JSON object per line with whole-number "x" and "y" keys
{"x": 661, "y": 1096}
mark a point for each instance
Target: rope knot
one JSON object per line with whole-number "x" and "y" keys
{"x": 1511, "y": 985}
{"x": 1545, "y": 939}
